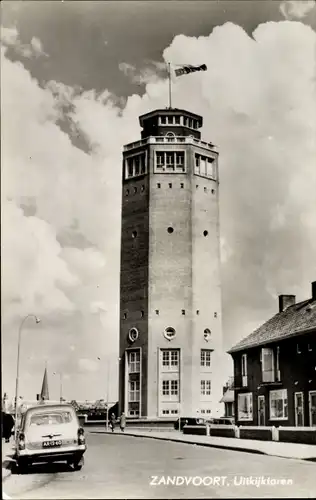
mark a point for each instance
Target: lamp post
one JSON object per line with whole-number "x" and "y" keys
{"x": 60, "y": 385}
{"x": 107, "y": 390}
{"x": 37, "y": 320}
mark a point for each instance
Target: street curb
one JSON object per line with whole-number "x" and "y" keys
{"x": 207, "y": 445}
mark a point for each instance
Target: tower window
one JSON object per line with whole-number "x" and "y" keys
{"x": 170, "y": 359}
{"x": 204, "y": 166}
{"x": 206, "y": 357}
{"x": 157, "y": 312}
{"x": 160, "y": 159}
{"x": 197, "y": 186}
{"x": 170, "y": 333}
{"x": 130, "y": 167}
{"x": 133, "y": 334}
{"x": 205, "y": 233}
{"x": 127, "y": 192}
{"x": 213, "y": 191}
{"x": 170, "y": 185}
{"x": 142, "y": 188}
{"x": 158, "y": 185}
{"x": 205, "y": 190}
{"x": 207, "y": 334}
{"x": 181, "y": 185}
{"x": 142, "y": 314}
{"x": 177, "y": 120}
{"x": 215, "y": 315}
{"x": 171, "y": 137}
{"x": 205, "y": 387}
{"x": 135, "y": 189}
{"x": 135, "y": 165}
{"x": 170, "y": 229}
{"x": 170, "y": 388}
{"x": 134, "y": 234}
{"x": 134, "y": 392}
{"x": 163, "y": 120}
{"x": 170, "y": 120}
{"x": 197, "y": 312}
{"x": 170, "y": 161}
{"x": 183, "y": 312}
{"x": 133, "y": 361}
{"x": 124, "y": 315}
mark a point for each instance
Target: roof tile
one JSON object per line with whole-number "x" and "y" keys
{"x": 294, "y": 320}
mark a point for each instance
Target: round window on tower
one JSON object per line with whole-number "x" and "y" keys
{"x": 169, "y": 333}
{"x": 207, "y": 334}
{"x": 133, "y": 334}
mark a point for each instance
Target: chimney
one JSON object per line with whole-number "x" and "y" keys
{"x": 314, "y": 290}
{"x": 286, "y": 301}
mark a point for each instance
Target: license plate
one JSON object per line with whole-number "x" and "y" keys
{"x": 51, "y": 444}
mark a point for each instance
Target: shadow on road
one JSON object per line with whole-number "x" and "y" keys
{"x": 44, "y": 468}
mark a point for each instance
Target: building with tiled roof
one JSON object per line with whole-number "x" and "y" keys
{"x": 275, "y": 368}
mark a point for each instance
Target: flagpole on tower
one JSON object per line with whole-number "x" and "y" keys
{"x": 169, "y": 75}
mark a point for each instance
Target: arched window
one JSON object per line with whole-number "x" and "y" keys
{"x": 207, "y": 334}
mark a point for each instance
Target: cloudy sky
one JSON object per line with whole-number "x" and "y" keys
{"x": 75, "y": 77}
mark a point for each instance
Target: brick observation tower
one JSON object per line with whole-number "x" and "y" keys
{"x": 170, "y": 289}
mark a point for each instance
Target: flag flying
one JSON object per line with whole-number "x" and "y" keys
{"x": 190, "y": 69}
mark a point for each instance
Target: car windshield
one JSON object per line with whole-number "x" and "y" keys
{"x": 51, "y": 418}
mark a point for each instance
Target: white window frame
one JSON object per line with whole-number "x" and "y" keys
{"x": 261, "y": 397}
{"x": 133, "y": 391}
{"x": 133, "y": 363}
{"x": 206, "y": 387}
{"x": 205, "y": 358}
{"x": 172, "y": 167}
{"x": 170, "y": 360}
{"x": 202, "y": 159}
{"x": 301, "y": 393}
{"x": 133, "y": 157}
{"x": 310, "y": 394}
{"x": 248, "y": 396}
{"x": 244, "y": 370}
{"x": 170, "y": 389}
{"x": 284, "y": 406}
{"x": 268, "y": 375}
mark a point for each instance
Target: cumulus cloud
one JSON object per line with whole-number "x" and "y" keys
{"x": 296, "y": 9}
{"x": 143, "y": 76}
{"x": 10, "y": 38}
{"x": 61, "y": 203}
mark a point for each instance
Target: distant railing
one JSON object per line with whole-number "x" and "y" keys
{"x": 166, "y": 139}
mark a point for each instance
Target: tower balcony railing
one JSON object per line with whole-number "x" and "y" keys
{"x": 170, "y": 139}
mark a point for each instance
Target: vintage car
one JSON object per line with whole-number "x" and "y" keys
{"x": 50, "y": 433}
{"x": 181, "y": 422}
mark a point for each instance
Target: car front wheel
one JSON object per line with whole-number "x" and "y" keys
{"x": 77, "y": 463}
{"x": 22, "y": 465}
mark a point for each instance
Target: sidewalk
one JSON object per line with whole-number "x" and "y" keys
{"x": 273, "y": 448}
{"x": 7, "y": 459}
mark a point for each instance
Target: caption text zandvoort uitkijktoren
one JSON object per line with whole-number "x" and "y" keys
{"x": 236, "y": 481}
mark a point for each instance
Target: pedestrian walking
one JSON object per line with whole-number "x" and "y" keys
{"x": 123, "y": 422}
{"x": 112, "y": 422}
{"x": 7, "y": 425}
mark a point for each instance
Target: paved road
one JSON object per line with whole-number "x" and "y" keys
{"x": 124, "y": 467}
